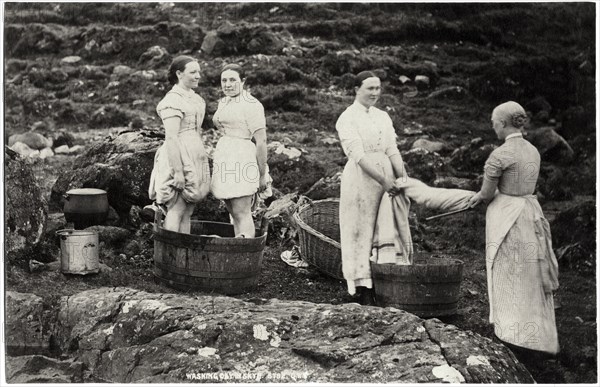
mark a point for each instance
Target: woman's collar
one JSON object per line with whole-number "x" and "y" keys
{"x": 183, "y": 91}
{"x": 361, "y": 107}
{"x": 513, "y": 135}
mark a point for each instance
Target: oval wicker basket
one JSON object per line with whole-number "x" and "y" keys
{"x": 319, "y": 234}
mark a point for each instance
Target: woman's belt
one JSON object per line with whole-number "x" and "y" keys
{"x": 374, "y": 150}
{"x": 528, "y": 196}
{"x": 237, "y": 137}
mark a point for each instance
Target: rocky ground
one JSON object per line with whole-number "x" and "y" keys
{"x": 88, "y": 76}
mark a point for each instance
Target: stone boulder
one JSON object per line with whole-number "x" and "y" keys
{"x": 24, "y": 326}
{"x": 471, "y": 157}
{"x": 428, "y": 145}
{"x": 42, "y": 369}
{"x": 24, "y": 149}
{"x": 551, "y": 145}
{"x": 128, "y": 336}
{"x": 212, "y": 43}
{"x": 243, "y": 39}
{"x": 155, "y": 57}
{"x": 121, "y": 165}
{"x": 25, "y": 206}
{"x": 423, "y": 165}
{"x": 33, "y": 140}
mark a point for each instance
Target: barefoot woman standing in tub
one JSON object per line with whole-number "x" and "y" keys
{"x": 239, "y": 165}
{"x": 181, "y": 176}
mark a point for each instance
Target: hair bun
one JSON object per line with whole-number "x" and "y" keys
{"x": 519, "y": 120}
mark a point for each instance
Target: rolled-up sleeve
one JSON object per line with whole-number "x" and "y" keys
{"x": 255, "y": 116}
{"x": 349, "y": 138}
{"x": 170, "y": 106}
{"x": 391, "y": 144}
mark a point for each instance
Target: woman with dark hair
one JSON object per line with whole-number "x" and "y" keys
{"x": 368, "y": 138}
{"x": 522, "y": 271}
{"x": 181, "y": 175}
{"x": 240, "y": 170}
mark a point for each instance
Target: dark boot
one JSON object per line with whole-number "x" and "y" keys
{"x": 366, "y": 296}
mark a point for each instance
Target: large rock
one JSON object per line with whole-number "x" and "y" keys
{"x": 121, "y": 165}
{"x": 212, "y": 43}
{"x": 24, "y": 327}
{"x": 428, "y": 145}
{"x": 42, "y": 369}
{"x": 33, "y": 140}
{"x": 124, "y": 335}
{"x": 471, "y": 157}
{"x": 155, "y": 57}
{"x": 25, "y": 207}
{"x": 423, "y": 165}
{"x": 243, "y": 38}
{"x": 551, "y": 145}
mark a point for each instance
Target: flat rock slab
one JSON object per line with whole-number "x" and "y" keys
{"x": 124, "y": 335}
{"x": 42, "y": 369}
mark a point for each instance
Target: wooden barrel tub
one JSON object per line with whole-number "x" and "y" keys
{"x": 209, "y": 259}
{"x": 429, "y": 287}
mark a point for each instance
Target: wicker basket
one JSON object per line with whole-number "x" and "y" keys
{"x": 319, "y": 234}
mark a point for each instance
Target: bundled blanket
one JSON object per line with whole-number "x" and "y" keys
{"x": 392, "y": 242}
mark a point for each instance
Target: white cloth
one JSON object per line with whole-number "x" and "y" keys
{"x": 522, "y": 272}
{"x": 392, "y": 241}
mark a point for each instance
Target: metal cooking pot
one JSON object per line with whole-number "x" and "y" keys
{"x": 85, "y": 207}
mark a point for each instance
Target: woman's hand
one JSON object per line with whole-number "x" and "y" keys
{"x": 178, "y": 181}
{"x": 475, "y": 200}
{"x": 390, "y": 187}
{"x": 262, "y": 184}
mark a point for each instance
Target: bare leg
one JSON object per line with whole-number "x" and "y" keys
{"x": 239, "y": 209}
{"x": 175, "y": 215}
{"x": 185, "y": 225}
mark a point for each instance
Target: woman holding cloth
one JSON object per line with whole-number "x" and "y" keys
{"x": 239, "y": 165}
{"x": 374, "y": 163}
{"x": 522, "y": 271}
{"x": 180, "y": 177}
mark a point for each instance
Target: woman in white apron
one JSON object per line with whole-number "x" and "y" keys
{"x": 522, "y": 271}
{"x": 374, "y": 163}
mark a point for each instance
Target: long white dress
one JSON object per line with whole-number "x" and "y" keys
{"x": 365, "y": 133}
{"x": 522, "y": 270}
